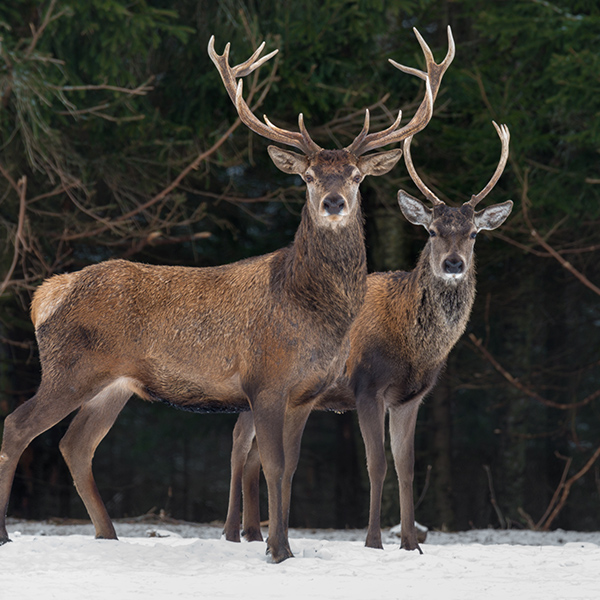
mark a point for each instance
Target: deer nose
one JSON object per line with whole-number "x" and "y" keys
{"x": 333, "y": 204}
{"x": 454, "y": 265}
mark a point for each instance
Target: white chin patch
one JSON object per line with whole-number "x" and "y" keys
{"x": 452, "y": 277}
{"x": 334, "y": 220}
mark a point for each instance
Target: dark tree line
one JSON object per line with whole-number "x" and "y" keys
{"x": 118, "y": 140}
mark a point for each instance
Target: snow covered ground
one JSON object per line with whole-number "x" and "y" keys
{"x": 47, "y": 561}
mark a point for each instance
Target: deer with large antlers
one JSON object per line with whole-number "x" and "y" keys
{"x": 266, "y": 333}
{"x": 399, "y": 343}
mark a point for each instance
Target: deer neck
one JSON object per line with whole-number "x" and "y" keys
{"x": 444, "y": 306}
{"x": 325, "y": 270}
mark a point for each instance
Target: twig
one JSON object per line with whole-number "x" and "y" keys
{"x": 36, "y": 33}
{"x": 191, "y": 167}
{"x": 554, "y": 499}
{"x": 567, "y": 488}
{"x": 425, "y": 487}
{"x": 19, "y": 240}
{"x": 516, "y": 383}
{"x": 493, "y": 497}
{"x": 140, "y": 90}
{"x": 527, "y": 518}
{"x": 540, "y": 240}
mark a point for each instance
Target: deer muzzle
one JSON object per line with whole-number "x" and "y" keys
{"x": 454, "y": 265}
{"x": 333, "y": 204}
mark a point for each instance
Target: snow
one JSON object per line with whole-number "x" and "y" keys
{"x": 171, "y": 560}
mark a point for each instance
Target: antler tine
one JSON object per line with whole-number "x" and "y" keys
{"x": 433, "y": 78}
{"x": 252, "y": 64}
{"x": 303, "y": 131}
{"x": 435, "y": 71}
{"x": 234, "y": 87}
{"x": 415, "y": 177}
{"x": 359, "y": 139}
{"x": 504, "y": 136}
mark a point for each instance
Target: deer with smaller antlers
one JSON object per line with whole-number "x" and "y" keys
{"x": 265, "y": 334}
{"x": 399, "y": 343}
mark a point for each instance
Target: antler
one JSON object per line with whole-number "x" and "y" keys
{"x": 229, "y": 75}
{"x": 365, "y": 142}
{"x": 415, "y": 177}
{"x": 504, "y": 136}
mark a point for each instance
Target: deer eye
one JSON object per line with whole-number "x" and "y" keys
{"x": 473, "y": 235}
{"x": 357, "y": 178}
{"x": 432, "y": 233}
{"x": 308, "y": 178}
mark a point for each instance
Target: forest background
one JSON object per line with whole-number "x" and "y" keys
{"x": 117, "y": 139}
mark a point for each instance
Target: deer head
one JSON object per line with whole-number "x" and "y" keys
{"x": 333, "y": 177}
{"x": 453, "y": 230}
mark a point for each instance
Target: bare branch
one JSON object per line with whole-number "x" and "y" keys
{"x": 566, "y": 489}
{"x": 522, "y": 388}
{"x": 191, "y": 167}
{"x": 493, "y": 497}
{"x": 554, "y": 499}
{"x": 36, "y": 33}
{"x": 19, "y": 240}
{"x": 542, "y": 242}
{"x": 140, "y": 90}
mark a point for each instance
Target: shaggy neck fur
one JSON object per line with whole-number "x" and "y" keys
{"x": 324, "y": 271}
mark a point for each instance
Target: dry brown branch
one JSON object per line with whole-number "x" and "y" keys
{"x": 542, "y": 242}
{"x": 255, "y": 87}
{"x": 425, "y": 487}
{"x": 530, "y": 250}
{"x": 522, "y": 388}
{"x": 493, "y": 497}
{"x": 530, "y": 522}
{"x": 21, "y": 188}
{"x": 24, "y": 345}
{"x": 140, "y": 90}
{"x": 566, "y": 489}
{"x": 36, "y": 33}
{"x": 556, "y": 494}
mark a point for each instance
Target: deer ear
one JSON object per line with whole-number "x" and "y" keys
{"x": 288, "y": 161}
{"x": 379, "y": 163}
{"x": 414, "y": 210}
{"x": 493, "y": 216}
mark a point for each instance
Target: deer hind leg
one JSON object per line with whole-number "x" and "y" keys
{"x": 403, "y": 419}
{"x": 250, "y": 490}
{"x": 371, "y": 418}
{"x": 86, "y": 431}
{"x": 52, "y": 403}
{"x": 243, "y": 437}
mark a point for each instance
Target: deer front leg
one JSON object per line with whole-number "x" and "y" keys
{"x": 295, "y": 422}
{"x": 403, "y": 419}
{"x": 243, "y": 435}
{"x": 269, "y": 418}
{"x": 371, "y": 418}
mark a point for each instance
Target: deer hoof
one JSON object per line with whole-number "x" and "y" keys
{"x": 279, "y": 556}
